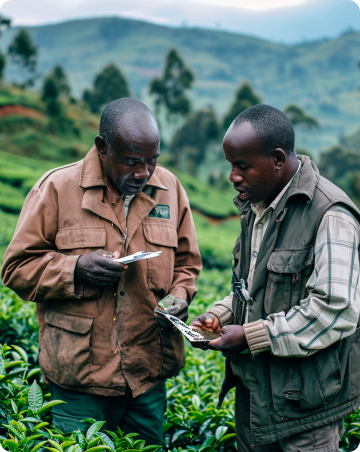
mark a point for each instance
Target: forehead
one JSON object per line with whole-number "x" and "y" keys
{"x": 241, "y": 142}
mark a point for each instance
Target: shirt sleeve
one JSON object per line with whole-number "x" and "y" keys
{"x": 331, "y": 310}
{"x": 223, "y": 310}
{"x": 33, "y": 266}
{"x": 187, "y": 263}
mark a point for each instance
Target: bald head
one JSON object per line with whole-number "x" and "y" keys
{"x": 129, "y": 121}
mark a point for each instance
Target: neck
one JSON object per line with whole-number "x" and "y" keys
{"x": 290, "y": 170}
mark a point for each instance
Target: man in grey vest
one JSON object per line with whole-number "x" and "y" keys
{"x": 293, "y": 350}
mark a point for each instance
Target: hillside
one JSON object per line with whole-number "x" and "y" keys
{"x": 321, "y": 76}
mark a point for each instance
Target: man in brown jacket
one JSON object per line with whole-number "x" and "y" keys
{"x": 101, "y": 349}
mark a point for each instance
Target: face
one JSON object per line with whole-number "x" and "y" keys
{"x": 255, "y": 176}
{"x": 131, "y": 160}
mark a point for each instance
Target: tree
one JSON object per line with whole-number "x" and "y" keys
{"x": 55, "y": 86}
{"x": 194, "y": 137}
{"x": 109, "y": 84}
{"x": 24, "y": 53}
{"x": 298, "y": 117}
{"x": 4, "y": 24}
{"x": 170, "y": 88}
{"x": 245, "y": 97}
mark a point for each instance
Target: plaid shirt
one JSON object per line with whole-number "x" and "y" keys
{"x": 331, "y": 310}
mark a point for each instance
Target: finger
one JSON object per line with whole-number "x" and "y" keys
{"x": 116, "y": 255}
{"x": 110, "y": 264}
{"x": 215, "y": 344}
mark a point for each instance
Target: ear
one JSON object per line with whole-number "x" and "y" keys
{"x": 279, "y": 158}
{"x": 101, "y": 145}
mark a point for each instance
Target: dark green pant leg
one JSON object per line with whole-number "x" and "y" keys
{"x": 81, "y": 405}
{"x": 145, "y": 415}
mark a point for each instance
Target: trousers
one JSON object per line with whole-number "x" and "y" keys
{"x": 323, "y": 439}
{"x": 143, "y": 414}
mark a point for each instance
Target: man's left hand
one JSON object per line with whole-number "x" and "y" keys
{"x": 179, "y": 309}
{"x": 232, "y": 340}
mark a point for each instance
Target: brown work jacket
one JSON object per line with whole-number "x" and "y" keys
{"x": 98, "y": 339}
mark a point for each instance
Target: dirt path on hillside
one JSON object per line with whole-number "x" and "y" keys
{"x": 8, "y": 110}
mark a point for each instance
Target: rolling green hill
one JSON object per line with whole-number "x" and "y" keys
{"x": 321, "y": 76}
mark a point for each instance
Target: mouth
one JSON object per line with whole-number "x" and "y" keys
{"x": 243, "y": 194}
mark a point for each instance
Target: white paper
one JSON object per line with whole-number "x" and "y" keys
{"x": 137, "y": 257}
{"x": 189, "y": 332}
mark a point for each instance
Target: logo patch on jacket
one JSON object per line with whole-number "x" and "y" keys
{"x": 160, "y": 211}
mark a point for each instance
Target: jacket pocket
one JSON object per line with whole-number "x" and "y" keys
{"x": 300, "y": 385}
{"x": 289, "y": 271}
{"x": 355, "y": 363}
{"x": 73, "y": 239}
{"x": 65, "y": 356}
{"x": 161, "y": 237}
{"x": 172, "y": 345}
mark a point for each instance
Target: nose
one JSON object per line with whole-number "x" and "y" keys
{"x": 235, "y": 177}
{"x": 142, "y": 171}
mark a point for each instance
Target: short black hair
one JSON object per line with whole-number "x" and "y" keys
{"x": 272, "y": 127}
{"x": 117, "y": 112}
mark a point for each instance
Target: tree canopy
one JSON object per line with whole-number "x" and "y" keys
{"x": 245, "y": 97}
{"x": 169, "y": 90}
{"x": 24, "y": 53}
{"x": 109, "y": 84}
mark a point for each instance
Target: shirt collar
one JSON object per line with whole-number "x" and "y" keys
{"x": 259, "y": 208}
{"x": 92, "y": 174}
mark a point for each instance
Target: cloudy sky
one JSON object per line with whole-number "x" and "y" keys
{"x": 278, "y": 20}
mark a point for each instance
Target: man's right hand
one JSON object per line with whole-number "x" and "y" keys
{"x": 208, "y": 322}
{"x": 98, "y": 268}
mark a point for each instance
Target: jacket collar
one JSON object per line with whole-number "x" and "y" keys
{"x": 303, "y": 183}
{"x": 92, "y": 174}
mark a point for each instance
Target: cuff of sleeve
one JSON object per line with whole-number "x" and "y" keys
{"x": 224, "y": 315}
{"x": 179, "y": 292}
{"x": 257, "y": 337}
{"x": 67, "y": 278}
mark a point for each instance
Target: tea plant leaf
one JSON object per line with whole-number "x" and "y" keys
{"x": 52, "y": 449}
{"x": 2, "y": 365}
{"x": 230, "y": 435}
{"x": 38, "y": 446}
{"x": 196, "y": 401}
{"x": 209, "y": 441}
{"x": 106, "y": 440}
{"x": 11, "y": 444}
{"x": 35, "y": 397}
{"x": 16, "y": 432}
{"x": 56, "y": 445}
{"x": 81, "y": 439}
{"x": 33, "y": 372}
{"x": 177, "y": 435}
{"x": 21, "y": 352}
{"x": 10, "y": 376}
{"x": 13, "y": 406}
{"x": 231, "y": 424}
{"x": 2, "y": 413}
{"x": 67, "y": 444}
{"x": 94, "y": 449}
{"x": 93, "y": 441}
{"x": 89, "y": 419}
{"x": 13, "y": 364}
{"x": 41, "y": 425}
{"x": 220, "y": 431}
{"x": 35, "y": 437}
{"x": 148, "y": 448}
{"x": 48, "y": 405}
{"x": 94, "y": 428}
{"x": 139, "y": 444}
{"x": 31, "y": 419}
{"x": 204, "y": 426}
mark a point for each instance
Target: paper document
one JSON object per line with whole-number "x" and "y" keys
{"x": 191, "y": 334}
{"x": 137, "y": 257}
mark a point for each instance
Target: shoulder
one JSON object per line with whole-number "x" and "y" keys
{"x": 60, "y": 176}
{"x": 341, "y": 214}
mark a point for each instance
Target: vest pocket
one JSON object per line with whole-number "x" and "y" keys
{"x": 300, "y": 385}
{"x": 65, "y": 349}
{"x": 288, "y": 272}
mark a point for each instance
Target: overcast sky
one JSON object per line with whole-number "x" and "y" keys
{"x": 278, "y": 20}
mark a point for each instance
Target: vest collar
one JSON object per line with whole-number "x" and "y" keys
{"x": 92, "y": 174}
{"x": 304, "y": 183}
